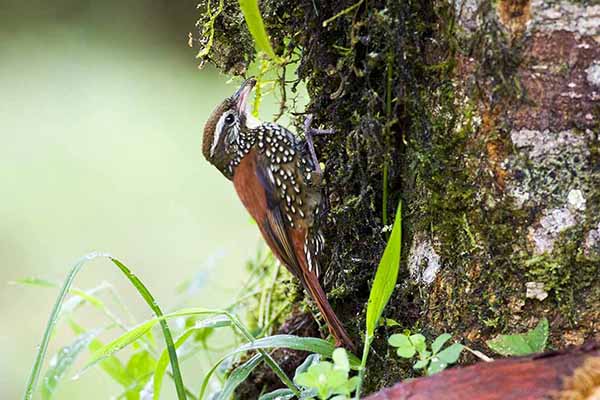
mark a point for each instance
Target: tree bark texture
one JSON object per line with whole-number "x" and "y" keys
{"x": 483, "y": 118}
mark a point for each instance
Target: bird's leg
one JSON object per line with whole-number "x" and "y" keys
{"x": 309, "y": 132}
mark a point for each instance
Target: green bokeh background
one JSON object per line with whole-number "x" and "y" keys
{"x": 101, "y": 114}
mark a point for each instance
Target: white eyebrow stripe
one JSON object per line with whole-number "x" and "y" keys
{"x": 217, "y": 134}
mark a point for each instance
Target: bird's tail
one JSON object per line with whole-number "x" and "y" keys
{"x": 311, "y": 283}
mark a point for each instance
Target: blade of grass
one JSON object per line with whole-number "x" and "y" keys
{"x": 278, "y": 394}
{"x": 383, "y": 286}
{"x": 34, "y": 281}
{"x": 138, "y": 331}
{"x": 122, "y": 341}
{"x": 54, "y": 315}
{"x": 268, "y": 359}
{"x": 111, "y": 365}
{"x": 63, "y": 360}
{"x": 238, "y": 376}
{"x": 256, "y": 26}
{"x": 145, "y": 293}
{"x": 312, "y": 345}
{"x": 386, "y": 275}
{"x": 161, "y": 366}
{"x": 79, "y": 297}
{"x": 43, "y": 348}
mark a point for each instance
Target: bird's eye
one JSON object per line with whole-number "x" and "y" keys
{"x": 229, "y": 119}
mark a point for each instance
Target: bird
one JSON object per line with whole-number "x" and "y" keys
{"x": 278, "y": 179}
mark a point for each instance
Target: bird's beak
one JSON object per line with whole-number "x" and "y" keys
{"x": 243, "y": 94}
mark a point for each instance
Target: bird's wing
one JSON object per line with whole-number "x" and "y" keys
{"x": 274, "y": 226}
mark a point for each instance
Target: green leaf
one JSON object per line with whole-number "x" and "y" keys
{"x": 418, "y": 342}
{"x": 111, "y": 365}
{"x": 510, "y": 345}
{"x": 421, "y": 364}
{"x": 140, "y": 365}
{"x": 404, "y": 345}
{"x": 521, "y": 344}
{"x": 382, "y": 289}
{"x": 406, "y": 352}
{"x": 279, "y": 394}
{"x": 326, "y": 379}
{"x": 310, "y": 360}
{"x": 340, "y": 359}
{"x": 352, "y": 384}
{"x": 439, "y": 342}
{"x": 256, "y": 27}
{"x": 538, "y": 337}
{"x": 448, "y": 356}
{"x": 390, "y": 322}
{"x": 399, "y": 340}
{"x": 62, "y": 360}
{"x": 436, "y": 366}
{"x": 386, "y": 275}
{"x": 451, "y": 353}
{"x": 238, "y": 376}
{"x": 122, "y": 341}
{"x": 312, "y": 377}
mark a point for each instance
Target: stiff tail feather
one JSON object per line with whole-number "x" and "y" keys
{"x": 335, "y": 326}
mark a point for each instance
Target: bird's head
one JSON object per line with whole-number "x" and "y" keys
{"x": 220, "y": 144}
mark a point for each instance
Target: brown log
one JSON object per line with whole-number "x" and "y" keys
{"x": 568, "y": 375}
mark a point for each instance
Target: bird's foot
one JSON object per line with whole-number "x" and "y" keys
{"x": 310, "y": 132}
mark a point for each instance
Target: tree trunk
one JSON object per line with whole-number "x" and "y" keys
{"x": 483, "y": 119}
{"x": 568, "y": 375}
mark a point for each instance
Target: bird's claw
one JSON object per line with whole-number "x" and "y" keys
{"x": 309, "y": 132}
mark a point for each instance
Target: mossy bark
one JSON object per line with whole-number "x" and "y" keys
{"x": 485, "y": 116}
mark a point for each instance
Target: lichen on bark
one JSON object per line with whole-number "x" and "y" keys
{"x": 486, "y": 115}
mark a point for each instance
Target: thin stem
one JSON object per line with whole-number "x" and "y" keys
{"x": 478, "y": 354}
{"x": 344, "y": 11}
{"x": 264, "y": 330}
{"x": 387, "y": 134}
{"x": 363, "y": 365}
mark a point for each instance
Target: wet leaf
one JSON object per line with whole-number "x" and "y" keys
{"x": 439, "y": 342}
{"x": 62, "y": 360}
{"x": 522, "y": 344}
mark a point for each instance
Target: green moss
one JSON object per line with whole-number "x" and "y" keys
{"x": 565, "y": 272}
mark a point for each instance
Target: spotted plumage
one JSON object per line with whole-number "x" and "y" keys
{"x": 280, "y": 186}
